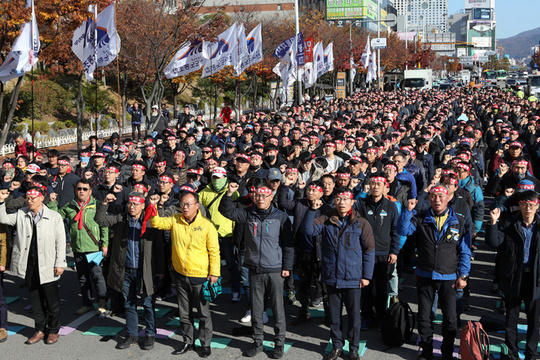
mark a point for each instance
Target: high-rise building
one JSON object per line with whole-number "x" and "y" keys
{"x": 424, "y": 16}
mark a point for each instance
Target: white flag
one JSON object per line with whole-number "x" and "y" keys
{"x": 353, "y": 68}
{"x": 329, "y": 58}
{"x": 366, "y": 54}
{"x": 23, "y": 53}
{"x": 188, "y": 58}
{"x": 309, "y": 79}
{"x": 372, "y": 70}
{"x": 242, "y": 49}
{"x": 318, "y": 59}
{"x": 104, "y": 49}
{"x": 254, "y": 50}
{"x": 223, "y": 52}
{"x": 83, "y": 45}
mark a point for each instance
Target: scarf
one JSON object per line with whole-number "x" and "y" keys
{"x": 79, "y": 217}
{"x": 150, "y": 211}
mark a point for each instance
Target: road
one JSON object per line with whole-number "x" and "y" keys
{"x": 308, "y": 341}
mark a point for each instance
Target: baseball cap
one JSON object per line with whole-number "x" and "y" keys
{"x": 219, "y": 172}
{"x": 274, "y": 174}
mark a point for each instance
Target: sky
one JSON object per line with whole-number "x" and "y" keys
{"x": 513, "y": 16}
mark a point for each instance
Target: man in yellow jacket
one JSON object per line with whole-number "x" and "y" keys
{"x": 195, "y": 258}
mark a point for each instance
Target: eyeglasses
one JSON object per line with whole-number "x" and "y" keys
{"x": 82, "y": 189}
{"x": 188, "y": 205}
{"x": 132, "y": 204}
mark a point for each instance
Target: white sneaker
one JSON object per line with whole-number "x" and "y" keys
{"x": 236, "y": 296}
{"x": 265, "y": 318}
{"x": 247, "y": 317}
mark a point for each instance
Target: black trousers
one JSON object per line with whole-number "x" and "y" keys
{"x": 310, "y": 269}
{"x": 447, "y": 299}
{"x": 136, "y": 128}
{"x": 45, "y": 302}
{"x": 532, "y": 309}
{"x": 351, "y": 299}
{"x": 381, "y": 273}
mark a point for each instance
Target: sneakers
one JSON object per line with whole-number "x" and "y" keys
{"x": 265, "y": 318}
{"x": 291, "y": 297}
{"x": 236, "y": 296}
{"x": 129, "y": 341}
{"x": 253, "y": 350}
{"x": 3, "y": 335}
{"x": 84, "y": 309}
{"x": 102, "y": 308}
{"x": 316, "y": 302}
{"x": 247, "y": 317}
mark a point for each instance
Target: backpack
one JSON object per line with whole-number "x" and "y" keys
{"x": 474, "y": 342}
{"x": 397, "y": 326}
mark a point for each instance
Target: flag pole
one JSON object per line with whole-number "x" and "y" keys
{"x": 119, "y": 107}
{"x": 95, "y": 60}
{"x": 32, "y": 65}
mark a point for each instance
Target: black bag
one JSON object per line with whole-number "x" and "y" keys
{"x": 398, "y": 324}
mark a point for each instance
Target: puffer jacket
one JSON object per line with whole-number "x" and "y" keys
{"x": 223, "y": 225}
{"x": 348, "y": 247}
{"x": 80, "y": 240}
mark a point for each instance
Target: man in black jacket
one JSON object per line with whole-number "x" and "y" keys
{"x": 519, "y": 239}
{"x": 269, "y": 257}
{"x": 382, "y": 215}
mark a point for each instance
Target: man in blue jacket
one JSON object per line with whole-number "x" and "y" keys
{"x": 348, "y": 258}
{"x": 444, "y": 261}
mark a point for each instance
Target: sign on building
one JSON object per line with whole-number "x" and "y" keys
{"x": 378, "y": 43}
{"x": 486, "y": 4}
{"x": 344, "y": 9}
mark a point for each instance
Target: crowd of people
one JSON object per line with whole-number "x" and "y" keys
{"x": 348, "y": 194}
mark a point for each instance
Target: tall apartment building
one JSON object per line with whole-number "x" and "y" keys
{"x": 424, "y": 16}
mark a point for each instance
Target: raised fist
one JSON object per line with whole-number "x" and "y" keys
{"x": 154, "y": 199}
{"x": 301, "y": 184}
{"x": 117, "y": 188}
{"x": 233, "y": 187}
{"x": 411, "y": 204}
{"x": 495, "y": 214}
{"x": 109, "y": 198}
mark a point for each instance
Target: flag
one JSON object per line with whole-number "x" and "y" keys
{"x": 372, "y": 68}
{"x": 96, "y": 42}
{"x": 188, "y": 58}
{"x": 222, "y": 53}
{"x": 309, "y": 79}
{"x": 308, "y": 49}
{"x": 366, "y": 54}
{"x": 353, "y": 69}
{"x": 83, "y": 44}
{"x": 329, "y": 58}
{"x": 23, "y": 53}
{"x": 254, "y": 50}
{"x": 286, "y": 69}
{"x": 300, "y": 58}
{"x": 242, "y": 48}
{"x": 318, "y": 59}
{"x": 283, "y": 49}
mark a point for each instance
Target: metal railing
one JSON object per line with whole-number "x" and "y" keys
{"x": 68, "y": 139}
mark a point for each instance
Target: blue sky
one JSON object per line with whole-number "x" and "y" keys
{"x": 513, "y": 16}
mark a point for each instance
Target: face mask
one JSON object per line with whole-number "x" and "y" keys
{"x": 199, "y": 128}
{"x": 253, "y": 167}
{"x": 85, "y": 159}
{"x": 520, "y": 176}
{"x": 271, "y": 158}
{"x": 122, "y": 156}
{"x": 219, "y": 183}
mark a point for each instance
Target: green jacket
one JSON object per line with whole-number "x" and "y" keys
{"x": 80, "y": 240}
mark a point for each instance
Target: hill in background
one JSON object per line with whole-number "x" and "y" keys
{"x": 519, "y": 46}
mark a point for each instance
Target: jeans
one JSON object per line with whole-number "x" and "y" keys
{"x": 3, "y": 304}
{"x": 244, "y": 273}
{"x": 132, "y": 281}
{"x": 272, "y": 283}
{"x": 190, "y": 296}
{"x": 226, "y": 249}
{"x": 88, "y": 274}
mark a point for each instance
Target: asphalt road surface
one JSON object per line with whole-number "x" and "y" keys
{"x": 308, "y": 341}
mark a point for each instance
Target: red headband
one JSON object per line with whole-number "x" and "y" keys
{"x": 161, "y": 163}
{"x": 438, "y": 189}
{"x": 140, "y": 187}
{"x": 112, "y": 168}
{"x": 180, "y": 152}
{"x": 390, "y": 166}
{"x": 187, "y": 188}
{"x": 8, "y": 164}
{"x": 63, "y": 162}
{"x": 166, "y": 178}
{"x": 343, "y": 175}
{"x": 316, "y": 187}
{"x": 346, "y": 193}
{"x": 331, "y": 144}
{"x": 452, "y": 180}
{"x": 136, "y": 199}
{"x": 128, "y": 143}
{"x": 520, "y": 162}
{"x": 372, "y": 150}
{"x": 243, "y": 156}
{"x": 463, "y": 166}
{"x": 171, "y": 137}
{"x": 138, "y": 166}
{"x": 378, "y": 179}
{"x": 33, "y": 193}
{"x": 35, "y": 183}
{"x": 525, "y": 187}
{"x": 529, "y": 201}
{"x": 256, "y": 156}
{"x": 292, "y": 170}
{"x": 264, "y": 190}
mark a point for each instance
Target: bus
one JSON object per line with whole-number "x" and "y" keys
{"x": 502, "y": 75}
{"x": 490, "y": 76}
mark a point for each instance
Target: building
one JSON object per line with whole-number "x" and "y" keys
{"x": 253, "y": 9}
{"x": 423, "y": 16}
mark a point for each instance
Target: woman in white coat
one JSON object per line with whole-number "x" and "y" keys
{"x": 38, "y": 256}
